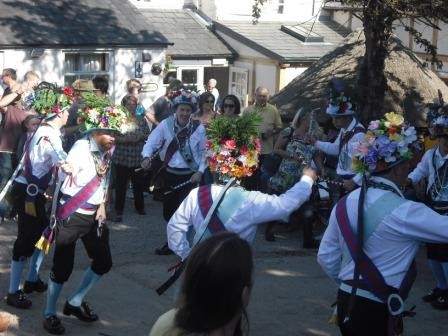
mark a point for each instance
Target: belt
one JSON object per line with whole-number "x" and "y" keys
{"x": 179, "y": 171}
{"x": 346, "y": 176}
{"x": 359, "y": 292}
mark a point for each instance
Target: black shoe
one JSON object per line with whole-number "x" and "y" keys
{"x": 433, "y": 295}
{"x": 164, "y": 250}
{"x": 441, "y": 303}
{"x": 53, "y": 325}
{"x": 18, "y": 300}
{"x": 83, "y": 312}
{"x": 36, "y": 286}
{"x": 141, "y": 212}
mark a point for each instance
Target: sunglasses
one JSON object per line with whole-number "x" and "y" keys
{"x": 228, "y": 106}
{"x": 210, "y": 101}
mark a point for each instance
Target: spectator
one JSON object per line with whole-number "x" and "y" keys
{"x": 270, "y": 126}
{"x": 71, "y": 130}
{"x": 163, "y": 107}
{"x": 231, "y": 106}
{"x": 295, "y": 154}
{"x": 127, "y": 159}
{"x": 100, "y": 86}
{"x": 215, "y": 290}
{"x": 211, "y": 88}
{"x": 9, "y": 77}
{"x": 205, "y": 112}
{"x": 13, "y": 116}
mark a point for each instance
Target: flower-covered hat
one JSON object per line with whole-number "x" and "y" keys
{"x": 48, "y": 100}
{"x": 233, "y": 146}
{"x": 100, "y": 113}
{"x": 387, "y": 142}
{"x": 437, "y": 117}
{"x": 339, "y": 104}
{"x": 187, "y": 97}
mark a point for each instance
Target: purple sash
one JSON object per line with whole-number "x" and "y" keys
{"x": 205, "y": 203}
{"x": 79, "y": 199}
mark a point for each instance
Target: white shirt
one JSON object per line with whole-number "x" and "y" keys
{"x": 256, "y": 208}
{"x": 84, "y": 171}
{"x": 345, "y": 156}
{"x": 425, "y": 168}
{"x": 46, "y": 153}
{"x": 394, "y": 243}
{"x": 162, "y": 133}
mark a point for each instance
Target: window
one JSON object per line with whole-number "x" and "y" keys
{"x": 85, "y": 66}
{"x": 189, "y": 76}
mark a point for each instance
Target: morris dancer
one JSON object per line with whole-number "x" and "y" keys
{"x": 42, "y": 155}
{"x": 233, "y": 155}
{"x": 183, "y": 151}
{"x": 351, "y": 132}
{"x": 434, "y": 166}
{"x": 82, "y": 211}
{"x": 372, "y": 290}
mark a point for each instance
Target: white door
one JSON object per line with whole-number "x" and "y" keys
{"x": 238, "y": 81}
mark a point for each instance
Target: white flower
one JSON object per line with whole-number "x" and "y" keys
{"x": 409, "y": 134}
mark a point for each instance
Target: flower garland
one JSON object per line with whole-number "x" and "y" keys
{"x": 48, "y": 100}
{"x": 186, "y": 96}
{"x": 233, "y": 146}
{"x": 386, "y": 142}
{"x": 101, "y": 113}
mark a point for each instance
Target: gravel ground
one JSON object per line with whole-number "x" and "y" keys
{"x": 291, "y": 295}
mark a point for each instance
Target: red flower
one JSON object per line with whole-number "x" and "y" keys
{"x": 68, "y": 91}
{"x": 230, "y": 144}
{"x": 208, "y": 144}
{"x": 244, "y": 150}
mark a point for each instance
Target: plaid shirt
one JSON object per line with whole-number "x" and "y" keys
{"x": 128, "y": 150}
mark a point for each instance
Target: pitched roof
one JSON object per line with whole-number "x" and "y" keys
{"x": 411, "y": 85}
{"x": 191, "y": 37}
{"x": 59, "y": 23}
{"x": 269, "y": 39}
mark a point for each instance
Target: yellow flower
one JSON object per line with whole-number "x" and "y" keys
{"x": 394, "y": 119}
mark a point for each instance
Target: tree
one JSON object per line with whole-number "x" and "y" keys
{"x": 378, "y": 17}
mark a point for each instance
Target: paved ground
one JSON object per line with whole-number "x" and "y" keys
{"x": 291, "y": 295}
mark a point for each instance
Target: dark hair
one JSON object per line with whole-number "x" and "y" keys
{"x": 174, "y": 85}
{"x": 101, "y": 83}
{"x": 129, "y": 99}
{"x": 203, "y": 98}
{"x": 11, "y": 73}
{"x": 217, "y": 272}
{"x": 235, "y": 100}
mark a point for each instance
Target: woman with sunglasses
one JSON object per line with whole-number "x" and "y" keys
{"x": 231, "y": 106}
{"x": 206, "y": 111}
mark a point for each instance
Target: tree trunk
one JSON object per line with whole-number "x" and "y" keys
{"x": 372, "y": 81}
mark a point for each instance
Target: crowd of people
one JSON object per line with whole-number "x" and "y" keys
{"x": 217, "y": 167}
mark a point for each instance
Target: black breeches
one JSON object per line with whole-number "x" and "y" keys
{"x": 29, "y": 228}
{"x": 123, "y": 174}
{"x": 172, "y": 200}
{"x": 368, "y": 318}
{"x": 82, "y": 227}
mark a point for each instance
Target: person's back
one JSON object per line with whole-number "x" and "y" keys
{"x": 215, "y": 290}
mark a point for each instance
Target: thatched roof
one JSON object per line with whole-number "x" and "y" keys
{"x": 411, "y": 84}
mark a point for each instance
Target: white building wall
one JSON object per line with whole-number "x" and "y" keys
{"x": 242, "y": 9}
{"x": 159, "y": 4}
{"x": 50, "y": 67}
{"x": 291, "y": 73}
{"x": 266, "y": 75}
